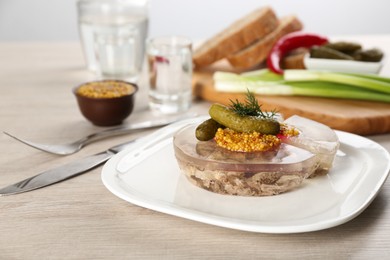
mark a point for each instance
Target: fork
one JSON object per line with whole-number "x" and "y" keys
{"x": 73, "y": 147}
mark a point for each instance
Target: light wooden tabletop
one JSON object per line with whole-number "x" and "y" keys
{"x": 80, "y": 219}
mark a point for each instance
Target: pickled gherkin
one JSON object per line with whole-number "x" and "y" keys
{"x": 345, "y": 47}
{"x": 346, "y": 51}
{"x": 371, "y": 55}
{"x": 327, "y": 53}
{"x": 227, "y": 117}
{"x": 206, "y": 130}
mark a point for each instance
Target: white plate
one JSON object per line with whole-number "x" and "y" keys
{"x": 346, "y": 66}
{"x": 152, "y": 180}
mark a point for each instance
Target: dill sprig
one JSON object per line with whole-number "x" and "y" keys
{"x": 251, "y": 107}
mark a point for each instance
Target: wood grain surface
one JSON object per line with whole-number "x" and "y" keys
{"x": 354, "y": 116}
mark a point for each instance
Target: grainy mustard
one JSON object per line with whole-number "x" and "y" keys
{"x": 287, "y": 130}
{"x": 105, "y": 89}
{"x": 253, "y": 141}
{"x": 245, "y": 142}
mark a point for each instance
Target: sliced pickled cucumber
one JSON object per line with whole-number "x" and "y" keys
{"x": 327, "y": 53}
{"x": 206, "y": 130}
{"x": 230, "y": 119}
{"x": 345, "y": 47}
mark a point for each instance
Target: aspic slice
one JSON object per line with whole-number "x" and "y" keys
{"x": 315, "y": 137}
{"x": 218, "y": 170}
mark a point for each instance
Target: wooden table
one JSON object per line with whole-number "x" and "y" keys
{"x": 81, "y": 219}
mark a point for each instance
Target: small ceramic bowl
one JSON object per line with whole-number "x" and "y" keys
{"x": 106, "y": 102}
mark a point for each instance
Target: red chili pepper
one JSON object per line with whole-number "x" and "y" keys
{"x": 290, "y": 42}
{"x": 281, "y": 136}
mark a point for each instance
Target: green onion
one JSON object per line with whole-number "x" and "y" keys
{"x": 372, "y": 76}
{"x": 347, "y": 79}
{"x": 306, "y": 83}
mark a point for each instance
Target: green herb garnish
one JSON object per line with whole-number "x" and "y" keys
{"x": 251, "y": 107}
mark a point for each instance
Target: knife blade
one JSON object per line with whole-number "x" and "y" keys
{"x": 64, "y": 172}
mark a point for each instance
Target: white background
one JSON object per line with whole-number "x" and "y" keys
{"x": 56, "y": 20}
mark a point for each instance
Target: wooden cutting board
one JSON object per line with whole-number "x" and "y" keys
{"x": 359, "y": 117}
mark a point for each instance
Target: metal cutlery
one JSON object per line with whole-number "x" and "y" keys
{"x": 63, "y": 172}
{"x": 85, "y": 164}
{"x": 73, "y": 147}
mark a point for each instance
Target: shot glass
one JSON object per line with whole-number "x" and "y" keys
{"x": 110, "y": 29}
{"x": 170, "y": 74}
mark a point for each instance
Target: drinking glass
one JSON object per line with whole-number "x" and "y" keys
{"x": 113, "y": 34}
{"x": 170, "y": 73}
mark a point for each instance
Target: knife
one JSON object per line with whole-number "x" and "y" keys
{"x": 83, "y": 165}
{"x": 64, "y": 172}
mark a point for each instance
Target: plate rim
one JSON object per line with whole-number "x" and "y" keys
{"x": 110, "y": 182}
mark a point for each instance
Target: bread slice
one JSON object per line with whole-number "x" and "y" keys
{"x": 257, "y": 52}
{"x": 238, "y": 35}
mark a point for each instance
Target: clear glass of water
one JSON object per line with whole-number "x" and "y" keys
{"x": 113, "y": 34}
{"x": 170, "y": 74}
{"x": 116, "y": 53}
